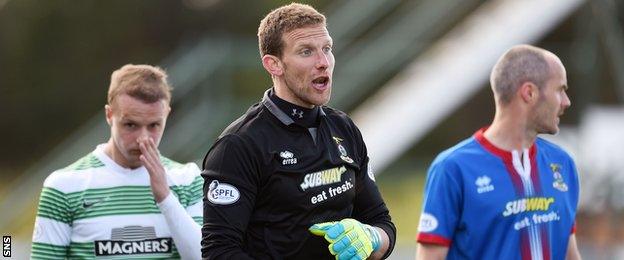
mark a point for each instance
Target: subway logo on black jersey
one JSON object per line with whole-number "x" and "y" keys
{"x": 323, "y": 177}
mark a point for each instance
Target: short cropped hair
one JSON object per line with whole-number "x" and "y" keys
{"x": 144, "y": 82}
{"x": 283, "y": 20}
{"x": 520, "y": 64}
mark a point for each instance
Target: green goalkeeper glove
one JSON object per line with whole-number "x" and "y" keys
{"x": 348, "y": 238}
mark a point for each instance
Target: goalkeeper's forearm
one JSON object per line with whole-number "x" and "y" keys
{"x": 385, "y": 243}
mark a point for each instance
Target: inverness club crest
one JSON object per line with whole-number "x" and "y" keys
{"x": 558, "y": 183}
{"x": 342, "y": 150}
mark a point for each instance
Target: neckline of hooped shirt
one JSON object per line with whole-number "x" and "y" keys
{"x": 109, "y": 162}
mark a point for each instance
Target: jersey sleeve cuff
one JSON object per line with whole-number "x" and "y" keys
{"x": 433, "y": 239}
{"x": 391, "y": 233}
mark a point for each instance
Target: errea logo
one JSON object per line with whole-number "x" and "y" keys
{"x": 483, "y": 184}
{"x": 288, "y": 158}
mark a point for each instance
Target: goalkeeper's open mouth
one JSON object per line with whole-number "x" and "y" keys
{"x": 321, "y": 83}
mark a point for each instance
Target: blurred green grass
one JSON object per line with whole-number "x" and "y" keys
{"x": 402, "y": 191}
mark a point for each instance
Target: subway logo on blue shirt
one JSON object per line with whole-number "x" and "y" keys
{"x": 528, "y": 204}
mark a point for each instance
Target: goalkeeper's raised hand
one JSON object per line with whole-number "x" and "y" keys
{"x": 348, "y": 238}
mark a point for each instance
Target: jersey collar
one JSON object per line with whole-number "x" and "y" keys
{"x": 490, "y": 147}
{"x": 109, "y": 162}
{"x": 277, "y": 112}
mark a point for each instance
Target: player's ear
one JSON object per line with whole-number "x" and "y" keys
{"x": 528, "y": 92}
{"x": 167, "y": 112}
{"x": 108, "y": 110}
{"x": 273, "y": 65}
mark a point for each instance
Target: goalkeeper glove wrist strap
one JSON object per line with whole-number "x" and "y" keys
{"x": 374, "y": 236}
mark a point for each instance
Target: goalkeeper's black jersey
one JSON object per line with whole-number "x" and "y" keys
{"x": 267, "y": 180}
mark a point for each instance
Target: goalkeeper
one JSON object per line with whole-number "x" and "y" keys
{"x": 290, "y": 178}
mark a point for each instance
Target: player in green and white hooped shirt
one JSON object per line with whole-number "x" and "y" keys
{"x": 124, "y": 200}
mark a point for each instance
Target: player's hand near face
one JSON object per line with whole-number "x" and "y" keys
{"x": 150, "y": 157}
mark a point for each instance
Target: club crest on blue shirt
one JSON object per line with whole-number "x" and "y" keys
{"x": 342, "y": 150}
{"x": 558, "y": 183}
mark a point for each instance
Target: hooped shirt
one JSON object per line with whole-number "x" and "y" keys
{"x": 94, "y": 208}
{"x": 487, "y": 203}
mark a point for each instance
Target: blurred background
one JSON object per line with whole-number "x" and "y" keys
{"x": 412, "y": 73}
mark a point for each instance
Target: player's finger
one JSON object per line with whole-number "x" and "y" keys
{"x": 334, "y": 231}
{"x": 145, "y": 154}
{"x": 148, "y": 158}
{"x": 142, "y": 145}
{"x": 347, "y": 254}
{"x": 154, "y": 149}
{"x": 341, "y": 244}
{"x": 320, "y": 229}
{"x": 148, "y": 149}
{"x": 144, "y": 161}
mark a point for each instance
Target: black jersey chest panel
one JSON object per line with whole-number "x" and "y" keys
{"x": 317, "y": 179}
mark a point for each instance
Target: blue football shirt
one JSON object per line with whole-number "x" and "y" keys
{"x": 487, "y": 203}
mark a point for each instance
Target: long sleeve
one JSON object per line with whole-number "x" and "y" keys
{"x": 52, "y": 232}
{"x": 185, "y": 231}
{"x": 230, "y": 186}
